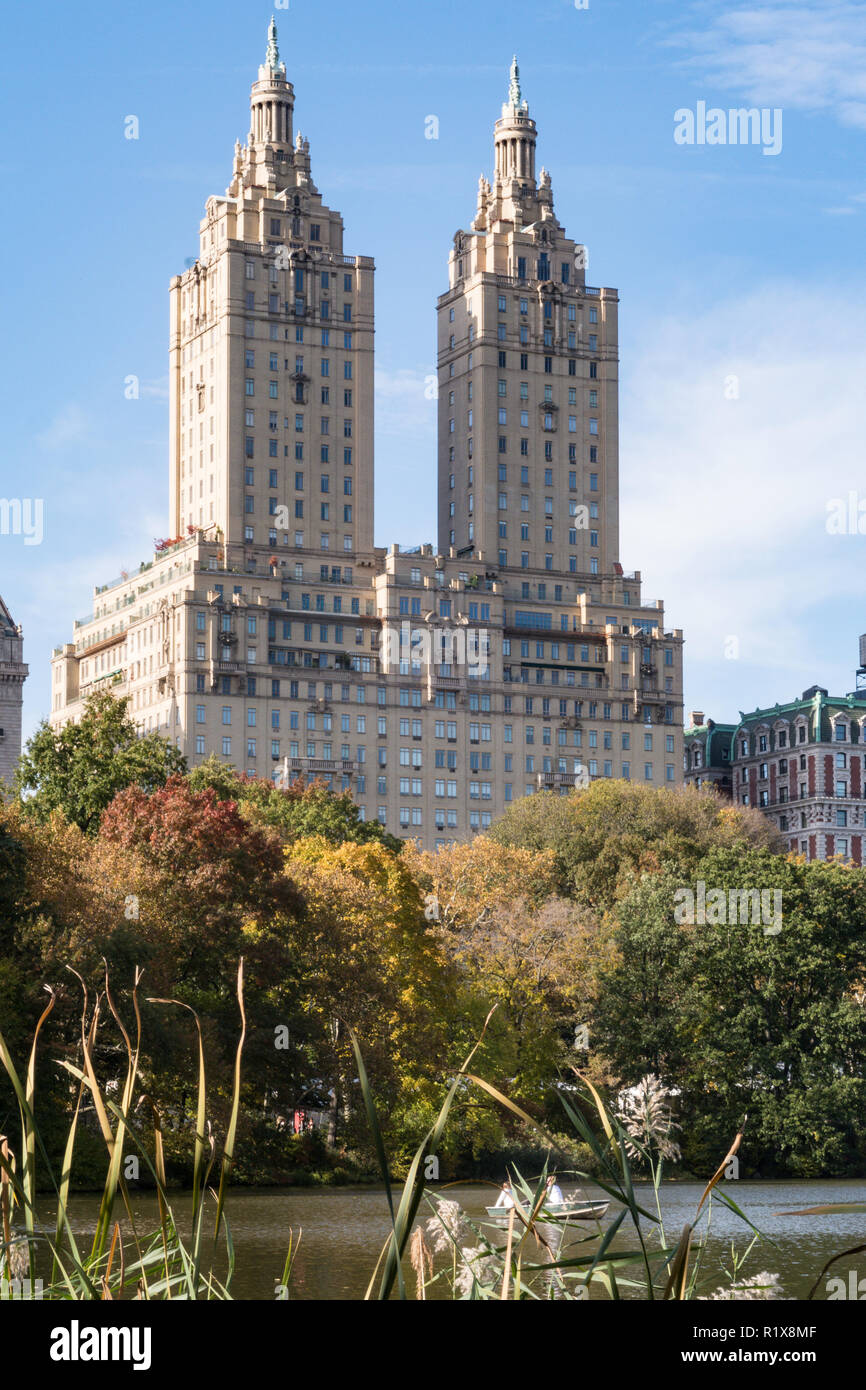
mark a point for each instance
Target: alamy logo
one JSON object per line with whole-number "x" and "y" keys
{"x": 739, "y": 126}
{"x": 77, "y": 1343}
{"x": 846, "y": 516}
{"x": 22, "y": 1290}
{"x": 22, "y": 516}
{"x": 701, "y": 907}
{"x": 406, "y": 648}
{"x": 855, "y": 1289}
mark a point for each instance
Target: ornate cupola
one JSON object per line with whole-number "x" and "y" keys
{"x": 515, "y": 136}
{"x": 272, "y": 102}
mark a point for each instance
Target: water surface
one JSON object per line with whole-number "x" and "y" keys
{"x": 342, "y": 1231}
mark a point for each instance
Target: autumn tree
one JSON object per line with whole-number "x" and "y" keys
{"x": 604, "y": 835}
{"x": 299, "y": 811}
{"x": 519, "y": 945}
{"x": 371, "y": 962}
{"x": 196, "y": 872}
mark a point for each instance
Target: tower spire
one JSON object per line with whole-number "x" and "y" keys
{"x": 272, "y": 56}
{"x": 514, "y": 93}
{"x": 514, "y": 136}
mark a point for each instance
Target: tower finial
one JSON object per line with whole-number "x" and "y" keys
{"x": 272, "y": 57}
{"x": 514, "y": 95}
{"x": 272, "y": 63}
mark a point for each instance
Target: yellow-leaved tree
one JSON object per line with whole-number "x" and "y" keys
{"x": 520, "y": 946}
{"x": 369, "y": 959}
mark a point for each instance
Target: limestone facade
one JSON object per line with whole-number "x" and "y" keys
{"x": 439, "y": 684}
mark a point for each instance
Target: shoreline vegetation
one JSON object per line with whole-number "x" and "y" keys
{"x": 186, "y": 1259}
{"x": 563, "y": 950}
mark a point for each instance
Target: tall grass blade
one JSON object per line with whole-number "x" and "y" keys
{"x": 229, "y": 1147}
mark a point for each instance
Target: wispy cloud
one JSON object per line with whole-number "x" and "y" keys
{"x": 405, "y": 454}
{"x": 739, "y": 426}
{"x": 406, "y": 404}
{"x": 156, "y": 389}
{"x": 784, "y": 53}
{"x": 70, "y": 426}
{"x": 848, "y": 209}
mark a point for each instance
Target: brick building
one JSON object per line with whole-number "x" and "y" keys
{"x": 803, "y": 765}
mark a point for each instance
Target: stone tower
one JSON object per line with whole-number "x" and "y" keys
{"x": 528, "y": 380}
{"x": 266, "y": 629}
{"x": 271, "y": 357}
{"x": 13, "y": 674}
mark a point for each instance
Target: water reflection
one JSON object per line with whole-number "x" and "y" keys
{"x": 343, "y": 1230}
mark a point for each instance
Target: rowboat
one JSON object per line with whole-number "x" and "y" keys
{"x": 573, "y": 1211}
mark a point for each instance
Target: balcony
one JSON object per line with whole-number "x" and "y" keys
{"x": 561, "y": 779}
{"x": 650, "y": 697}
{"x": 334, "y": 766}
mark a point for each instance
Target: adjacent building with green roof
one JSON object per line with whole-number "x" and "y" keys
{"x": 707, "y": 754}
{"x": 803, "y": 764}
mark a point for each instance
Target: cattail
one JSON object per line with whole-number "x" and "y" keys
{"x": 447, "y": 1228}
{"x": 422, "y": 1261}
{"x": 478, "y": 1265}
{"x": 645, "y": 1113}
{"x": 763, "y": 1285}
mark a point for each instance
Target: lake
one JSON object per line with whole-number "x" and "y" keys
{"x": 343, "y": 1229}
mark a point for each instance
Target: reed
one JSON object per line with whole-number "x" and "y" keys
{"x": 529, "y": 1263}
{"x": 168, "y": 1263}
{"x": 198, "y": 1261}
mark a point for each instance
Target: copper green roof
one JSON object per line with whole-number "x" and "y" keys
{"x": 717, "y": 737}
{"x": 814, "y": 702}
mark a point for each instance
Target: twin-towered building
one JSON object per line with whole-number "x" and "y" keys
{"x": 437, "y": 684}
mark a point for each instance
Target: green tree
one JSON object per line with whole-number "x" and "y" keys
{"x": 604, "y": 835}
{"x": 301, "y": 811}
{"x": 79, "y": 769}
{"x": 638, "y": 1016}
{"x": 740, "y": 1017}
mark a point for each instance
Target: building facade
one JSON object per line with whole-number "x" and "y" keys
{"x": 437, "y": 684}
{"x": 13, "y": 674}
{"x": 707, "y": 754}
{"x": 803, "y": 764}
{"x": 528, "y": 381}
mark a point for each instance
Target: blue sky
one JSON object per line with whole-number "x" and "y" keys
{"x": 740, "y": 274}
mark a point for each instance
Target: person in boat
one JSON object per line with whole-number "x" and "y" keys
{"x": 554, "y": 1196}
{"x": 505, "y": 1199}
